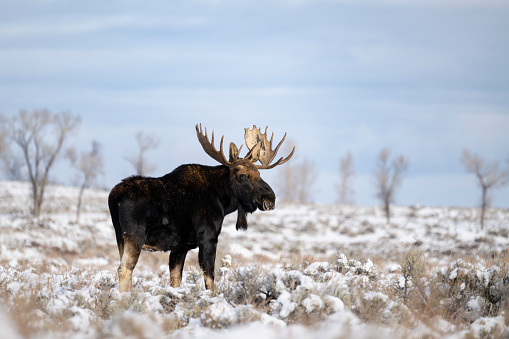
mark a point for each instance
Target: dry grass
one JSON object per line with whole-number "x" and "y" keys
{"x": 52, "y": 297}
{"x": 416, "y": 294}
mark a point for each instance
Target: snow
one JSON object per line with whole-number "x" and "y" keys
{"x": 286, "y": 305}
{"x": 7, "y": 327}
{"x": 299, "y": 271}
{"x": 317, "y": 268}
{"x": 494, "y": 327}
{"x": 222, "y": 313}
{"x": 312, "y": 303}
{"x": 375, "y": 295}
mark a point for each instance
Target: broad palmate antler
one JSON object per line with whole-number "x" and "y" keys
{"x": 260, "y": 149}
{"x": 255, "y": 137}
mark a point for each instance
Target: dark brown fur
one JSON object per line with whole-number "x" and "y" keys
{"x": 181, "y": 211}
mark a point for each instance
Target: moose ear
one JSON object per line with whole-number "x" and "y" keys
{"x": 254, "y": 154}
{"x": 234, "y": 152}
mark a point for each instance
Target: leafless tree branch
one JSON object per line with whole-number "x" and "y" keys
{"x": 388, "y": 178}
{"x": 139, "y": 162}
{"x": 489, "y": 176}
{"x": 297, "y": 181}
{"x": 346, "y": 174}
{"x": 89, "y": 165}
{"x": 32, "y": 132}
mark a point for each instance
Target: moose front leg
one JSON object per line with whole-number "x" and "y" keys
{"x": 207, "y": 258}
{"x": 177, "y": 258}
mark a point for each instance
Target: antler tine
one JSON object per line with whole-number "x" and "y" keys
{"x": 210, "y": 149}
{"x": 267, "y": 155}
{"x": 282, "y": 160}
{"x": 271, "y": 136}
{"x": 274, "y": 153}
{"x": 254, "y": 139}
{"x": 279, "y": 162}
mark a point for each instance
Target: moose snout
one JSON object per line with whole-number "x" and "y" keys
{"x": 268, "y": 198}
{"x": 268, "y": 205}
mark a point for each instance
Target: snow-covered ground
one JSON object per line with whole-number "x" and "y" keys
{"x": 299, "y": 271}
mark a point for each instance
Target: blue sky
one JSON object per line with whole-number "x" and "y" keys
{"x": 424, "y": 78}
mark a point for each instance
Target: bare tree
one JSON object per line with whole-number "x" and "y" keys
{"x": 489, "y": 176}
{"x": 306, "y": 179}
{"x": 12, "y": 164}
{"x": 4, "y": 147}
{"x": 139, "y": 162}
{"x": 31, "y": 132}
{"x": 388, "y": 178}
{"x": 89, "y": 166}
{"x": 287, "y": 190}
{"x": 346, "y": 173}
{"x": 297, "y": 181}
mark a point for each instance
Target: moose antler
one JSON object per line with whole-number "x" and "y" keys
{"x": 210, "y": 149}
{"x": 255, "y": 137}
{"x": 259, "y": 149}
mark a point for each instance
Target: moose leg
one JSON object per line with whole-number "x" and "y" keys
{"x": 177, "y": 258}
{"x": 120, "y": 245}
{"x": 207, "y": 258}
{"x": 129, "y": 259}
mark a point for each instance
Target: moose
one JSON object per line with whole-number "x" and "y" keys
{"x": 185, "y": 209}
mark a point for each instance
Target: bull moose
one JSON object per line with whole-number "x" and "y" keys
{"x": 185, "y": 209}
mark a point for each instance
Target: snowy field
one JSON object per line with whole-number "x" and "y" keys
{"x": 300, "y": 271}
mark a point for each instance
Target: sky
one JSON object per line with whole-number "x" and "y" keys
{"x": 424, "y": 78}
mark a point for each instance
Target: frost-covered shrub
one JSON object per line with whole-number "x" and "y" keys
{"x": 302, "y": 304}
{"x": 133, "y": 301}
{"x": 413, "y": 268}
{"x": 192, "y": 277}
{"x": 243, "y": 285}
{"x": 313, "y": 293}
{"x": 488, "y": 328}
{"x": 168, "y": 301}
{"x": 366, "y": 270}
{"x": 317, "y": 270}
{"x": 461, "y": 292}
{"x": 278, "y": 280}
{"x": 371, "y": 307}
{"x": 474, "y": 288}
{"x": 220, "y": 315}
{"x": 105, "y": 281}
{"x": 131, "y": 324}
{"x": 292, "y": 293}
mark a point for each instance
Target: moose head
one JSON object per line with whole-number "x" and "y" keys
{"x": 246, "y": 184}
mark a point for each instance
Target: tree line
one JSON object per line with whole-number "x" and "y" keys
{"x": 31, "y": 142}
{"x": 297, "y": 180}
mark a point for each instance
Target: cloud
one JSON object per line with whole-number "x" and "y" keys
{"x": 406, "y": 3}
{"x": 93, "y": 24}
{"x": 354, "y": 75}
{"x": 65, "y": 27}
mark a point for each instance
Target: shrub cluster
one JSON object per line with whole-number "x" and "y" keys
{"x": 460, "y": 297}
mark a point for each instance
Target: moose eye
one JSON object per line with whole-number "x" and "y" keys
{"x": 243, "y": 177}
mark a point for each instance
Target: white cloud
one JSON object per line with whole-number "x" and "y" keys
{"x": 408, "y": 3}
{"x": 424, "y": 83}
{"x": 64, "y": 27}
{"x": 93, "y": 24}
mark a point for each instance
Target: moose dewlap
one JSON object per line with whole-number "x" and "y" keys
{"x": 185, "y": 209}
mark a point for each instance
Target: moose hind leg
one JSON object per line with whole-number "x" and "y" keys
{"x": 207, "y": 258}
{"x": 131, "y": 253}
{"x": 177, "y": 259}
{"x": 120, "y": 245}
